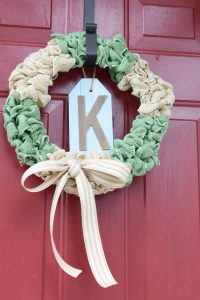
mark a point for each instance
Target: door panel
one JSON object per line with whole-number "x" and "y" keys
{"x": 31, "y": 22}
{"x": 25, "y": 220}
{"x": 169, "y": 26}
{"x": 150, "y": 231}
{"x": 172, "y": 213}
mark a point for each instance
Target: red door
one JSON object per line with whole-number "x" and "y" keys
{"x": 150, "y": 231}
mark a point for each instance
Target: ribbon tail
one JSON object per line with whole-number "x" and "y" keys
{"x": 64, "y": 266}
{"x": 92, "y": 239}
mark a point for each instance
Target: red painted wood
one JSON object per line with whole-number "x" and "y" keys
{"x": 173, "y": 266}
{"x": 150, "y": 231}
{"x": 181, "y": 21}
{"x": 165, "y": 26}
{"x": 109, "y": 23}
{"x": 31, "y": 22}
{"x": 24, "y": 221}
{"x": 41, "y": 14}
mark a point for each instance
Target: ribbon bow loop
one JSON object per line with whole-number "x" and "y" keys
{"x": 106, "y": 173}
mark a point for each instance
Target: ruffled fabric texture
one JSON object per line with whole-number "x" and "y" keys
{"x": 112, "y": 53}
{"x": 156, "y": 95}
{"x": 29, "y": 84}
{"x": 25, "y": 130}
{"x": 32, "y": 78}
{"x": 139, "y": 148}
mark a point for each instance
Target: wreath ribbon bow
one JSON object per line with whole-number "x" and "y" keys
{"x": 110, "y": 174}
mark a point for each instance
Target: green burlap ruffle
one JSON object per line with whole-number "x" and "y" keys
{"x": 25, "y": 130}
{"x": 111, "y": 53}
{"x": 139, "y": 148}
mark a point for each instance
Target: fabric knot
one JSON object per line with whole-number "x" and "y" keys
{"x": 74, "y": 168}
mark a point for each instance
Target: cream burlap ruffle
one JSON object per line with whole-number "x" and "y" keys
{"x": 34, "y": 75}
{"x": 156, "y": 95}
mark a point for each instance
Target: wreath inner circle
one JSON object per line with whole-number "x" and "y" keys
{"x": 91, "y": 173}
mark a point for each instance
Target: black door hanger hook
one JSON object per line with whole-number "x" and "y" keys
{"x": 90, "y": 28}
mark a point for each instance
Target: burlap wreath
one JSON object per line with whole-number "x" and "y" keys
{"x": 91, "y": 173}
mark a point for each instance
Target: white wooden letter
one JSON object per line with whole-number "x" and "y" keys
{"x": 90, "y": 117}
